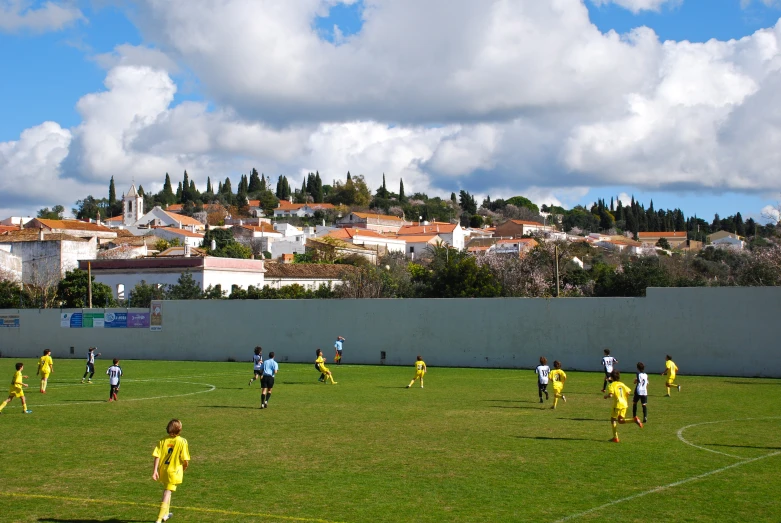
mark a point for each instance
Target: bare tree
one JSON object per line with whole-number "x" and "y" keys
{"x": 41, "y": 279}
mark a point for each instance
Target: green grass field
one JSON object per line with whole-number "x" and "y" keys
{"x": 473, "y": 446}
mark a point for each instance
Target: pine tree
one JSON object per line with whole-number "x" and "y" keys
{"x": 194, "y": 194}
{"x": 402, "y": 196}
{"x": 179, "y": 193}
{"x": 453, "y": 197}
{"x": 112, "y": 193}
{"x": 226, "y": 187}
{"x": 209, "y": 185}
{"x": 279, "y": 187}
{"x": 254, "y": 182}
{"x": 318, "y": 193}
{"x": 349, "y": 178}
{"x": 168, "y": 192}
{"x": 302, "y": 196}
{"x": 219, "y": 187}
{"x": 263, "y": 185}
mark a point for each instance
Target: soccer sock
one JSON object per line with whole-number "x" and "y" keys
{"x": 2, "y": 405}
{"x": 645, "y": 411}
{"x": 668, "y": 390}
{"x": 163, "y": 511}
{"x": 555, "y": 401}
{"x": 263, "y": 398}
{"x": 268, "y": 396}
{"x": 604, "y": 384}
{"x": 634, "y": 410}
{"x": 411, "y": 383}
{"x": 615, "y": 429}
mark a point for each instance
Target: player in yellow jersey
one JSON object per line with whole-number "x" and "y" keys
{"x": 558, "y": 377}
{"x": 45, "y": 367}
{"x": 420, "y": 371}
{"x": 670, "y": 369}
{"x": 620, "y": 394}
{"x": 17, "y": 390}
{"x": 172, "y": 456}
{"x": 320, "y": 365}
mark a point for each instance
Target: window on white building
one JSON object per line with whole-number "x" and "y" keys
{"x": 120, "y": 291}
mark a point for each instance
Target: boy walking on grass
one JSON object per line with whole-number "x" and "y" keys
{"x": 608, "y": 362}
{"x": 420, "y": 371}
{"x": 17, "y": 390}
{"x": 671, "y": 369}
{"x": 114, "y": 374}
{"x": 257, "y": 365}
{"x": 558, "y": 377}
{"x": 172, "y": 455}
{"x": 641, "y": 392}
{"x": 542, "y": 372}
{"x": 45, "y": 367}
{"x": 620, "y": 394}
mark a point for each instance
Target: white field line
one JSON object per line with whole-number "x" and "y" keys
{"x": 101, "y": 379}
{"x": 210, "y": 389}
{"x": 743, "y": 461}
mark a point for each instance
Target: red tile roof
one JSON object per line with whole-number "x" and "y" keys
{"x": 432, "y": 228}
{"x": 175, "y": 207}
{"x": 679, "y": 234}
{"x": 349, "y": 232}
{"x": 180, "y": 232}
{"x": 264, "y": 227}
{"x": 387, "y": 217}
{"x": 184, "y": 220}
{"x": 418, "y": 238}
{"x": 285, "y": 205}
{"x": 32, "y": 235}
{"x": 525, "y": 222}
{"x": 71, "y": 225}
{"x": 115, "y": 219}
{"x": 518, "y": 240}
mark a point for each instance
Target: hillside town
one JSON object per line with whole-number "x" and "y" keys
{"x": 301, "y": 248}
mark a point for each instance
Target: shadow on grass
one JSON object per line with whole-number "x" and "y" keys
{"x": 513, "y": 401}
{"x": 517, "y": 407}
{"x": 87, "y": 401}
{"x": 551, "y": 438}
{"x": 112, "y": 520}
{"x": 741, "y": 446}
{"x": 587, "y": 419}
{"x": 752, "y": 383}
{"x": 228, "y": 407}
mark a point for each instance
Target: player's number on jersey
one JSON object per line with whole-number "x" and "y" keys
{"x": 168, "y": 458}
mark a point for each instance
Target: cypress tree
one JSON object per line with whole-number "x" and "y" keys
{"x": 226, "y": 187}
{"x": 318, "y": 195}
{"x": 168, "y": 192}
{"x": 112, "y": 193}
{"x": 402, "y": 196}
{"x": 208, "y": 184}
{"x": 254, "y": 182}
{"x": 349, "y": 178}
{"x": 263, "y": 186}
{"x": 179, "y": 193}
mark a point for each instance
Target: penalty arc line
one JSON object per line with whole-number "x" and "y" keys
{"x": 157, "y": 505}
{"x": 665, "y": 487}
{"x": 211, "y": 389}
{"x": 743, "y": 461}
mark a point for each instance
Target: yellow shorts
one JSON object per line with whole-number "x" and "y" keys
{"x": 45, "y": 375}
{"x": 618, "y": 412}
{"x": 419, "y": 375}
{"x": 16, "y": 393}
{"x": 323, "y": 369}
{"x": 557, "y": 388}
{"x": 670, "y": 381}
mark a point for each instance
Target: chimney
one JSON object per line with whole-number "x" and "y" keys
{"x": 180, "y": 225}
{"x": 186, "y": 250}
{"x": 40, "y": 234}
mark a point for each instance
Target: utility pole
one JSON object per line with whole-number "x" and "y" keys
{"x": 556, "y": 254}
{"x": 89, "y": 284}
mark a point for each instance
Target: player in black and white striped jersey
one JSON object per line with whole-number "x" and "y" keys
{"x": 257, "y": 364}
{"x": 608, "y": 362}
{"x": 542, "y": 372}
{"x": 114, "y": 374}
{"x": 90, "y": 371}
{"x": 641, "y": 392}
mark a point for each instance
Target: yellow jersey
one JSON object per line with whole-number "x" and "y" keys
{"x": 45, "y": 364}
{"x": 672, "y": 368}
{"x": 420, "y": 367}
{"x": 557, "y": 376}
{"x": 172, "y": 453}
{"x": 320, "y": 362}
{"x": 620, "y": 394}
{"x": 16, "y": 381}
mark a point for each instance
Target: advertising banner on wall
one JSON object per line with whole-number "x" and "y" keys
{"x": 70, "y": 320}
{"x": 115, "y": 320}
{"x": 93, "y": 320}
{"x": 156, "y": 316}
{"x": 9, "y": 321}
{"x": 138, "y": 320}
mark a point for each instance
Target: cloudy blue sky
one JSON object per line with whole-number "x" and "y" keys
{"x": 563, "y": 101}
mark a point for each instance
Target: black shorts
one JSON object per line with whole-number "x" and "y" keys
{"x": 90, "y": 367}
{"x": 339, "y": 352}
{"x": 641, "y": 399}
{"x": 258, "y": 372}
{"x": 267, "y": 382}
{"x": 542, "y": 386}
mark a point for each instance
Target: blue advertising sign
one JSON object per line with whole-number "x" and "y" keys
{"x": 115, "y": 320}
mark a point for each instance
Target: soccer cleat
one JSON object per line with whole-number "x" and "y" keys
{"x": 639, "y": 423}
{"x": 334, "y": 382}
{"x": 615, "y": 440}
{"x": 645, "y": 420}
{"x": 666, "y": 395}
{"x": 546, "y": 394}
{"x": 553, "y": 408}
{"x": 540, "y": 400}
{"x": 679, "y": 388}
{"x": 28, "y": 412}
{"x": 407, "y": 386}
{"x": 249, "y": 384}
{"x": 421, "y": 386}
{"x": 603, "y": 390}
{"x": 166, "y": 518}
{"x": 82, "y": 380}
{"x": 564, "y": 398}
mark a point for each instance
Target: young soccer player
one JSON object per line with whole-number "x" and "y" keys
{"x": 257, "y": 364}
{"x": 542, "y": 372}
{"x": 90, "y": 364}
{"x": 558, "y": 377}
{"x": 607, "y": 364}
{"x": 641, "y": 392}
{"x": 338, "y": 346}
{"x": 45, "y": 367}
{"x": 420, "y": 371}
{"x": 172, "y": 456}
{"x": 671, "y": 369}
{"x": 620, "y": 394}
{"x": 270, "y": 369}
{"x": 114, "y": 373}
{"x": 17, "y": 390}
{"x": 320, "y": 364}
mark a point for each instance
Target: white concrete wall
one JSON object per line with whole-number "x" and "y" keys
{"x": 510, "y": 333}
{"x": 229, "y": 278}
{"x": 130, "y": 280}
{"x": 10, "y": 265}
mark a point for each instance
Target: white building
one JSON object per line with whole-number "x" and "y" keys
{"x": 123, "y": 275}
{"x": 183, "y": 236}
{"x": 286, "y": 209}
{"x": 515, "y": 247}
{"x": 374, "y": 222}
{"x": 420, "y": 245}
{"x": 451, "y": 233}
{"x": 132, "y": 207}
{"x": 308, "y": 275}
{"x": 10, "y": 265}
{"x": 16, "y": 220}
{"x": 47, "y": 257}
{"x": 294, "y": 245}
{"x": 369, "y": 239}
{"x": 725, "y": 239}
